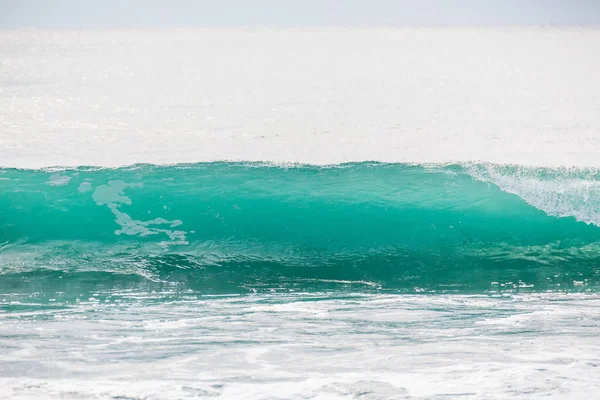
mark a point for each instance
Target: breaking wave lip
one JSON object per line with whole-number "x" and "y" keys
{"x": 247, "y": 226}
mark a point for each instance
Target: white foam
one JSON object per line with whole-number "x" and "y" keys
{"x": 561, "y": 193}
{"x": 112, "y": 196}
{"x": 58, "y": 180}
{"x": 372, "y": 347}
{"x": 505, "y": 95}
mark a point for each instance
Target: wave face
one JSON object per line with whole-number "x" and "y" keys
{"x": 245, "y": 227}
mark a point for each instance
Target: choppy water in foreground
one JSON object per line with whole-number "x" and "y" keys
{"x": 135, "y": 345}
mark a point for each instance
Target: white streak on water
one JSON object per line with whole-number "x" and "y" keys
{"x": 58, "y": 180}
{"x": 85, "y": 187}
{"x": 112, "y": 195}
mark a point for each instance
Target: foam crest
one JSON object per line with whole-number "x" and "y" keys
{"x": 558, "y": 192}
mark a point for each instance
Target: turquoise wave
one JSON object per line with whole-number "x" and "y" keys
{"x": 245, "y": 227}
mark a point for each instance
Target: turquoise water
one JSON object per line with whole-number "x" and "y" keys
{"x": 251, "y": 280}
{"x": 225, "y": 228}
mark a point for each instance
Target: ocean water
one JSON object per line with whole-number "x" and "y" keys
{"x": 224, "y": 228}
{"x": 254, "y": 280}
{"x": 300, "y": 214}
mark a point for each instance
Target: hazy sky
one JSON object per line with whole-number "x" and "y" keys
{"x": 190, "y": 13}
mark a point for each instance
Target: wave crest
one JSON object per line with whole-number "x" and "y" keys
{"x": 223, "y": 227}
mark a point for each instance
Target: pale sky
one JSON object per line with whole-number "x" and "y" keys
{"x": 201, "y": 13}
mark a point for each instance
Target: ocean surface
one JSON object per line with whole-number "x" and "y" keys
{"x": 300, "y": 214}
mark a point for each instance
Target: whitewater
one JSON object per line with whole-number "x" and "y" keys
{"x": 300, "y": 213}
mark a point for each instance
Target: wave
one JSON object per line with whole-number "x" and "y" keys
{"x": 241, "y": 227}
